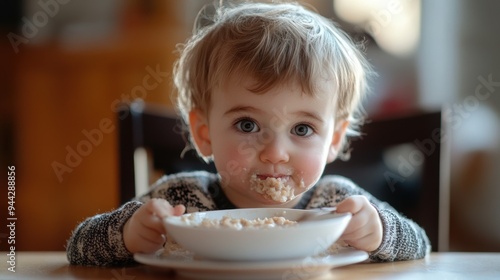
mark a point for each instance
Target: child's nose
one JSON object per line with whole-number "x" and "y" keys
{"x": 274, "y": 151}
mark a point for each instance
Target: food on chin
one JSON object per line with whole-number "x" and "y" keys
{"x": 272, "y": 188}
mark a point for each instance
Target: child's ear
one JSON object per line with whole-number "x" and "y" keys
{"x": 338, "y": 136}
{"x": 198, "y": 127}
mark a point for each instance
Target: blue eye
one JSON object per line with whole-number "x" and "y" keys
{"x": 246, "y": 126}
{"x": 302, "y": 130}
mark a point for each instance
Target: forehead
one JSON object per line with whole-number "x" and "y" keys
{"x": 237, "y": 90}
{"x": 260, "y": 86}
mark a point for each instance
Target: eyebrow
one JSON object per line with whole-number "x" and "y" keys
{"x": 239, "y": 109}
{"x": 310, "y": 115}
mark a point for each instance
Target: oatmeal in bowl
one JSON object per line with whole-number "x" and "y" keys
{"x": 242, "y": 223}
{"x": 254, "y": 234}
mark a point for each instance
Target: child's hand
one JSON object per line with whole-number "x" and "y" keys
{"x": 364, "y": 231}
{"x": 144, "y": 231}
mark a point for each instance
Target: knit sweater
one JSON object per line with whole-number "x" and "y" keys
{"x": 98, "y": 241}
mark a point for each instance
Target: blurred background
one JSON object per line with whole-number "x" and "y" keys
{"x": 66, "y": 66}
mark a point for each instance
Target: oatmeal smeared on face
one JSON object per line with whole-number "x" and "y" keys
{"x": 276, "y": 189}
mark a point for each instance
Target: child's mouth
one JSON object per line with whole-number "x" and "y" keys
{"x": 273, "y": 187}
{"x": 266, "y": 176}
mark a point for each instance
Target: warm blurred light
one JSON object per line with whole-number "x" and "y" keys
{"x": 394, "y": 24}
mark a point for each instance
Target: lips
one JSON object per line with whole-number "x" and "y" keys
{"x": 266, "y": 176}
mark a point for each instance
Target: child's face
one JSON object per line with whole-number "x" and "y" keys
{"x": 282, "y": 133}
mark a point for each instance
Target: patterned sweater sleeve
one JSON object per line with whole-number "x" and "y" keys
{"x": 98, "y": 240}
{"x": 403, "y": 239}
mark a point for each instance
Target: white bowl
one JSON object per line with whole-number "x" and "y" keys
{"x": 249, "y": 244}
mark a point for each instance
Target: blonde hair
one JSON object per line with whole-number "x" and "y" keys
{"x": 273, "y": 43}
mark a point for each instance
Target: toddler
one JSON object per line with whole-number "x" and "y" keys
{"x": 270, "y": 93}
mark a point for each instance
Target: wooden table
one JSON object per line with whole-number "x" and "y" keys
{"x": 53, "y": 265}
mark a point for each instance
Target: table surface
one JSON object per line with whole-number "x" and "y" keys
{"x": 444, "y": 265}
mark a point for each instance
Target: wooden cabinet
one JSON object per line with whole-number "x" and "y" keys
{"x": 66, "y": 129}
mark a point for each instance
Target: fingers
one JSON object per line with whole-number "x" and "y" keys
{"x": 157, "y": 209}
{"x": 352, "y": 204}
{"x": 179, "y": 210}
{"x": 162, "y": 208}
{"x": 364, "y": 230}
{"x": 151, "y": 238}
{"x": 367, "y": 243}
{"x": 358, "y": 222}
{"x": 144, "y": 231}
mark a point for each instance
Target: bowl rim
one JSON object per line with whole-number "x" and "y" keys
{"x": 174, "y": 220}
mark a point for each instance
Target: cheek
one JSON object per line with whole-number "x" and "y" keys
{"x": 311, "y": 167}
{"x": 233, "y": 157}
{"x": 311, "y": 164}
